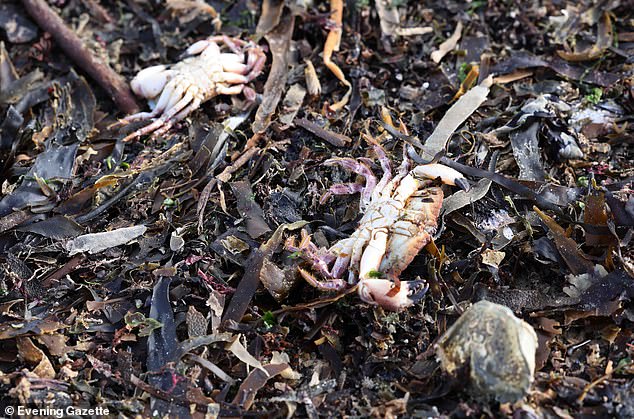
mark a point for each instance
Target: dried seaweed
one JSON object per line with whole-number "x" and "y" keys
{"x": 448, "y": 45}
{"x": 279, "y": 40}
{"x": 249, "y": 209}
{"x": 336, "y": 139}
{"x": 604, "y": 40}
{"x": 15, "y": 26}
{"x": 455, "y": 116}
{"x": 250, "y": 281}
{"x": 98, "y": 242}
{"x": 527, "y": 153}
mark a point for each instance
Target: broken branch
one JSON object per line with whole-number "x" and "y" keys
{"x": 70, "y": 43}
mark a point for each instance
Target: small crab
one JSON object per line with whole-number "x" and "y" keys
{"x": 400, "y": 217}
{"x": 175, "y": 90}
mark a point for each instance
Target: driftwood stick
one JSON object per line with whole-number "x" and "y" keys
{"x": 69, "y": 42}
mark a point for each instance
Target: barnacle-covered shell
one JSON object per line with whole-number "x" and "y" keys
{"x": 498, "y": 348}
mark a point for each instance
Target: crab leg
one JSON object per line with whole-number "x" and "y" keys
{"x": 227, "y": 77}
{"x": 341, "y": 265}
{"x": 158, "y": 123}
{"x": 361, "y": 169}
{"x": 373, "y": 253}
{"x": 329, "y": 285}
{"x": 341, "y": 189}
{"x": 233, "y": 90}
{"x": 233, "y": 66}
{"x": 255, "y": 65}
{"x": 202, "y": 45}
{"x": 169, "y": 94}
{"x": 198, "y": 47}
{"x": 140, "y": 116}
{"x": 317, "y": 257}
{"x": 362, "y": 238}
{"x": 165, "y": 122}
{"x": 381, "y": 187}
{"x": 343, "y": 250}
{"x": 255, "y": 58}
{"x": 167, "y": 97}
{"x": 249, "y": 93}
{"x": 178, "y": 106}
{"x": 163, "y": 128}
{"x": 403, "y": 168}
{"x": 343, "y": 247}
{"x": 319, "y": 260}
{"x": 179, "y": 116}
{"x": 232, "y": 44}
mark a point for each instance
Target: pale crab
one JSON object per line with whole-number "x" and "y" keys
{"x": 400, "y": 215}
{"x": 176, "y": 90}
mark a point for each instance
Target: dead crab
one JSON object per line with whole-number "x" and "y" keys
{"x": 400, "y": 217}
{"x": 175, "y": 90}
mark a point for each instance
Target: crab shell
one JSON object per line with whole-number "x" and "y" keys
{"x": 419, "y": 218}
{"x": 400, "y": 217}
{"x": 409, "y": 233}
{"x": 391, "y": 249}
{"x": 174, "y": 91}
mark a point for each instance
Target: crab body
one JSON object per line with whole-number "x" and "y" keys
{"x": 400, "y": 217}
{"x": 174, "y": 91}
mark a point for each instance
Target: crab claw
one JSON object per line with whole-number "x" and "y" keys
{"x": 462, "y": 183}
{"x": 446, "y": 174}
{"x": 376, "y": 291}
{"x": 150, "y": 82}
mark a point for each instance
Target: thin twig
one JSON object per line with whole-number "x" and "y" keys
{"x": 69, "y": 42}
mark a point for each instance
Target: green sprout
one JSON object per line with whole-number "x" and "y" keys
{"x": 463, "y": 71}
{"x": 145, "y": 325}
{"x": 169, "y": 203}
{"x": 594, "y": 96}
{"x": 269, "y": 319}
{"x": 295, "y": 255}
{"x": 475, "y": 5}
